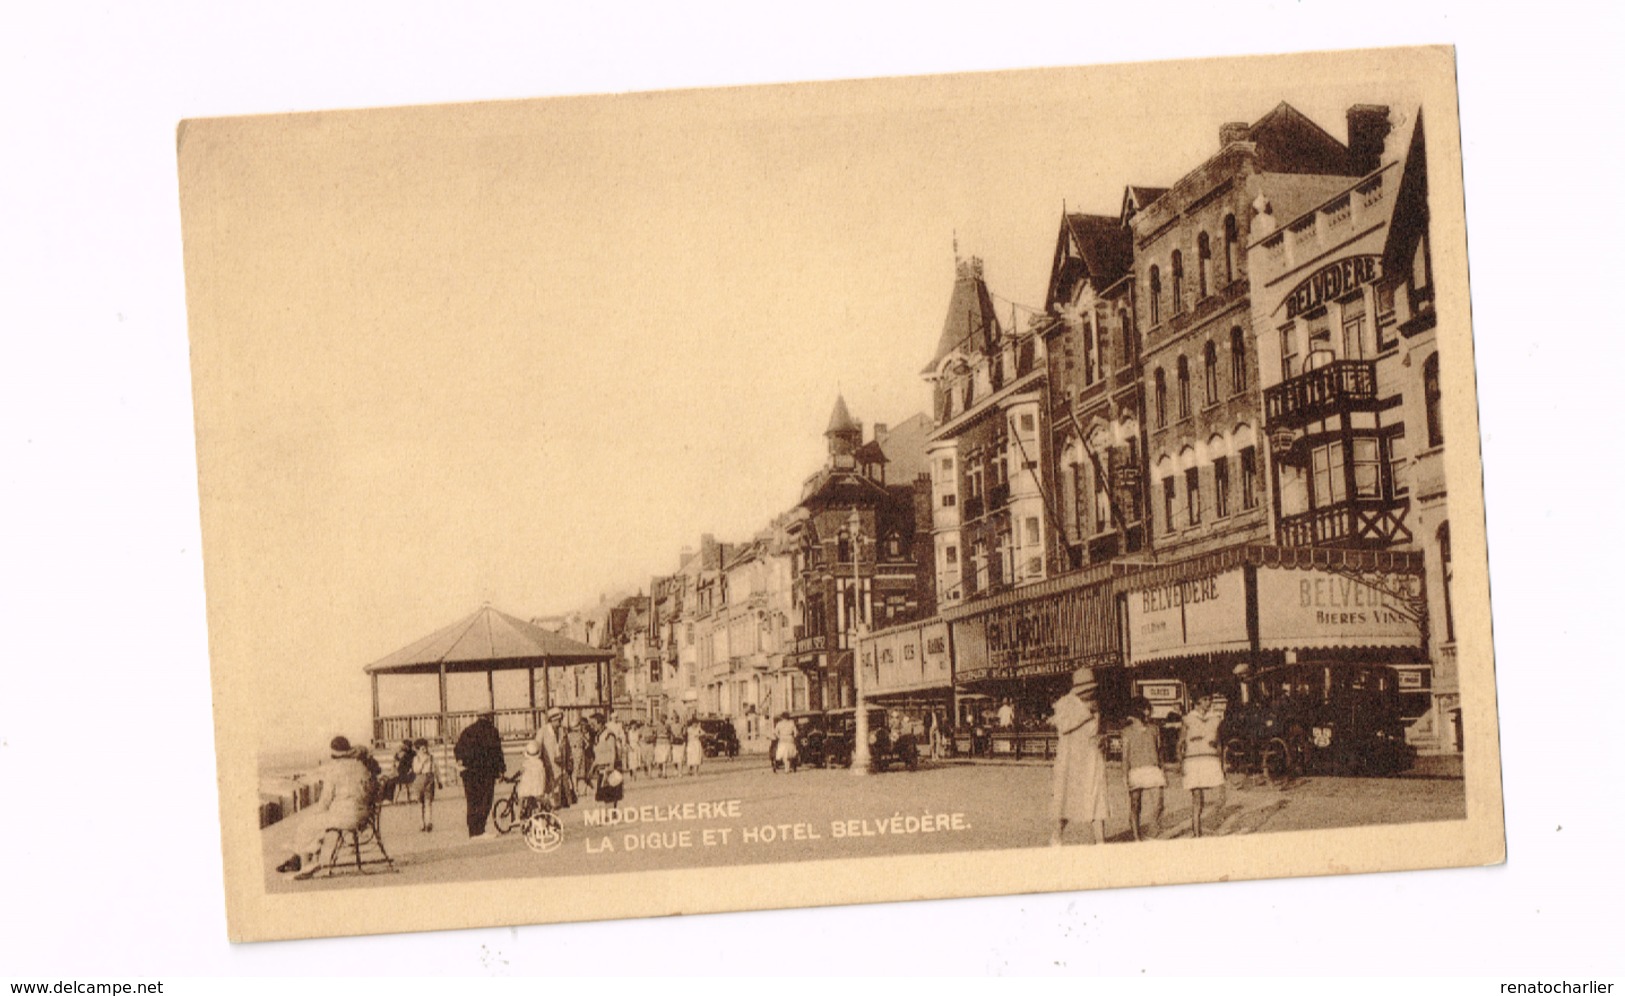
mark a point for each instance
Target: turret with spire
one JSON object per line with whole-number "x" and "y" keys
{"x": 845, "y": 434}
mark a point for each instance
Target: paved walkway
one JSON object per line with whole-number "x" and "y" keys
{"x": 818, "y": 814}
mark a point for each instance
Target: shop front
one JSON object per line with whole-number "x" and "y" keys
{"x": 908, "y": 670}
{"x": 1202, "y": 624}
{"x": 1014, "y": 655}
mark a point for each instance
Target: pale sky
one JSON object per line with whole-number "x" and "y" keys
{"x": 525, "y": 352}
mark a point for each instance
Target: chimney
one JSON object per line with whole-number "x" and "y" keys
{"x": 880, "y": 431}
{"x": 1232, "y": 131}
{"x": 1368, "y": 130}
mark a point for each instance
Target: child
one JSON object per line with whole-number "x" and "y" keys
{"x": 1199, "y": 756}
{"x": 426, "y": 778}
{"x": 1142, "y": 765}
{"x": 532, "y": 778}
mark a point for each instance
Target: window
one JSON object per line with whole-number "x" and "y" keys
{"x": 1367, "y": 467}
{"x": 1320, "y": 334}
{"x": 1127, "y": 337}
{"x": 1027, "y": 423}
{"x": 947, "y": 466}
{"x": 1249, "y": 478}
{"x": 1193, "y": 494}
{"x": 1289, "y": 352}
{"x": 1032, "y": 532}
{"x": 1448, "y": 575}
{"x": 951, "y": 555}
{"x": 894, "y": 546}
{"x": 1103, "y": 504}
{"x": 1433, "y": 396}
{"x": 1102, "y": 357}
{"x": 1421, "y": 278}
{"x": 843, "y": 549}
{"x": 1221, "y": 487}
{"x": 949, "y": 500}
{"x": 1079, "y": 529}
{"x": 1398, "y": 453}
{"x": 1134, "y": 498}
{"x": 654, "y": 670}
{"x": 1179, "y": 282}
{"x": 1355, "y": 346}
{"x": 1162, "y": 398}
{"x": 1168, "y": 503}
{"x": 1204, "y": 252}
{"x": 1088, "y": 352}
{"x": 1329, "y": 486}
{"x": 1238, "y": 361}
{"x": 1156, "y": 297}
{"x": 1229, "y": 248}
{"x": 1386, "y": 326}
{"x": 1210, "y": 372}
{"x": 1184, "y": 388}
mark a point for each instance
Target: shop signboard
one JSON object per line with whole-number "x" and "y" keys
{"x": 1309, "y": 608}
{"x": 908, "y": 657}
{"x": 1045, "y": 635}
{"x": 1203, "y": 615}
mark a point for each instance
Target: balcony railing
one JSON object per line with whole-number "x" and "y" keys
{"x": 971, "y": 508}
{"x": 1359, "y": 522}
{"x": 998, "y": 496}
{"x": 1339, "y": 386}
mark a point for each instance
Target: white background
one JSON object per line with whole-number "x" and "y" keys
{"x": 109, "y": 850}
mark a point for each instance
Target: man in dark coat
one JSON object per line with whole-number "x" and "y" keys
{"x": 479, "y": 751}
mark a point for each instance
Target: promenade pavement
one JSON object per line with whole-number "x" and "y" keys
{"x": 820, "y": 814}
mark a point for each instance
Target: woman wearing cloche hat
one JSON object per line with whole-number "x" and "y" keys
{"x": 1079, "y": 788}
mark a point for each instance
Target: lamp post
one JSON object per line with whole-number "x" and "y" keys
{"x": 860, "y": 733}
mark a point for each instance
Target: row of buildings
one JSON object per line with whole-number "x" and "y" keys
{"x": 1217, "y": 448}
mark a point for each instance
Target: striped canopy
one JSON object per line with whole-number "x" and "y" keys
{"x": 488, "y": 640}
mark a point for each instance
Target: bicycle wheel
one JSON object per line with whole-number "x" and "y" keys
{"x": 1275, "y": 762}
{"x": 1236, "y": 761}
{"x": 502, "y": 815}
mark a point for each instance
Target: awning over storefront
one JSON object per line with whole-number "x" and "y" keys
{"x": 909, "y": 658}
{"x": 1268, "y": 598}
{"x": 1049, "y": 628}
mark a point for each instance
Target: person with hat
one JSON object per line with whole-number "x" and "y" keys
{"x": 550, "y": 748}
{"x": 479, "y": 751}
{"x": 345, "y": 804}
{"x": 532, "y": 779}
{"x": 1078, "y": 791}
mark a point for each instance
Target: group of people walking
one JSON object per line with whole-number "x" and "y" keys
{"x": 1078, "y": 791}
{"x": 593, "y": 758}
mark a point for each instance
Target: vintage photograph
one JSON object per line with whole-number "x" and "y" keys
{"x": 838, "y": 492}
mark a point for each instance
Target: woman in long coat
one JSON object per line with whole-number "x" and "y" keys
{"x": 1079, "y": 789}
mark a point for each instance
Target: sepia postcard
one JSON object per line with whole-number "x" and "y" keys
{"x": 629, "y": 505}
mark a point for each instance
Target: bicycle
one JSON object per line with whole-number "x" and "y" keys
{"x": 541, "y": 829}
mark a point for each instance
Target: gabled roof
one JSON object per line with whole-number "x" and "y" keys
{"x": 972, "y": 323}
{"x": 1410, "y": 217}
{"x": 489, "y": 639}
{"x": 1092, "y": 247}
{"x": 841, "y": 487}
{"x": 1289, "y": 141}
{"x": 1136, "y": 199}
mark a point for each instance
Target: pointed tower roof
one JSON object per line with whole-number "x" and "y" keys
{"x": 970, "y": 314}
{"x": 840, "y": 420}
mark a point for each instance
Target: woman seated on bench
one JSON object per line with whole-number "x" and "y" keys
{"x": 345, "y": 804}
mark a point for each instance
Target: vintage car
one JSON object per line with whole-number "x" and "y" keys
{"x": 718, "y": 738}
{"x": 886, "y": 745}
{"x": 1325, "y": 718}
